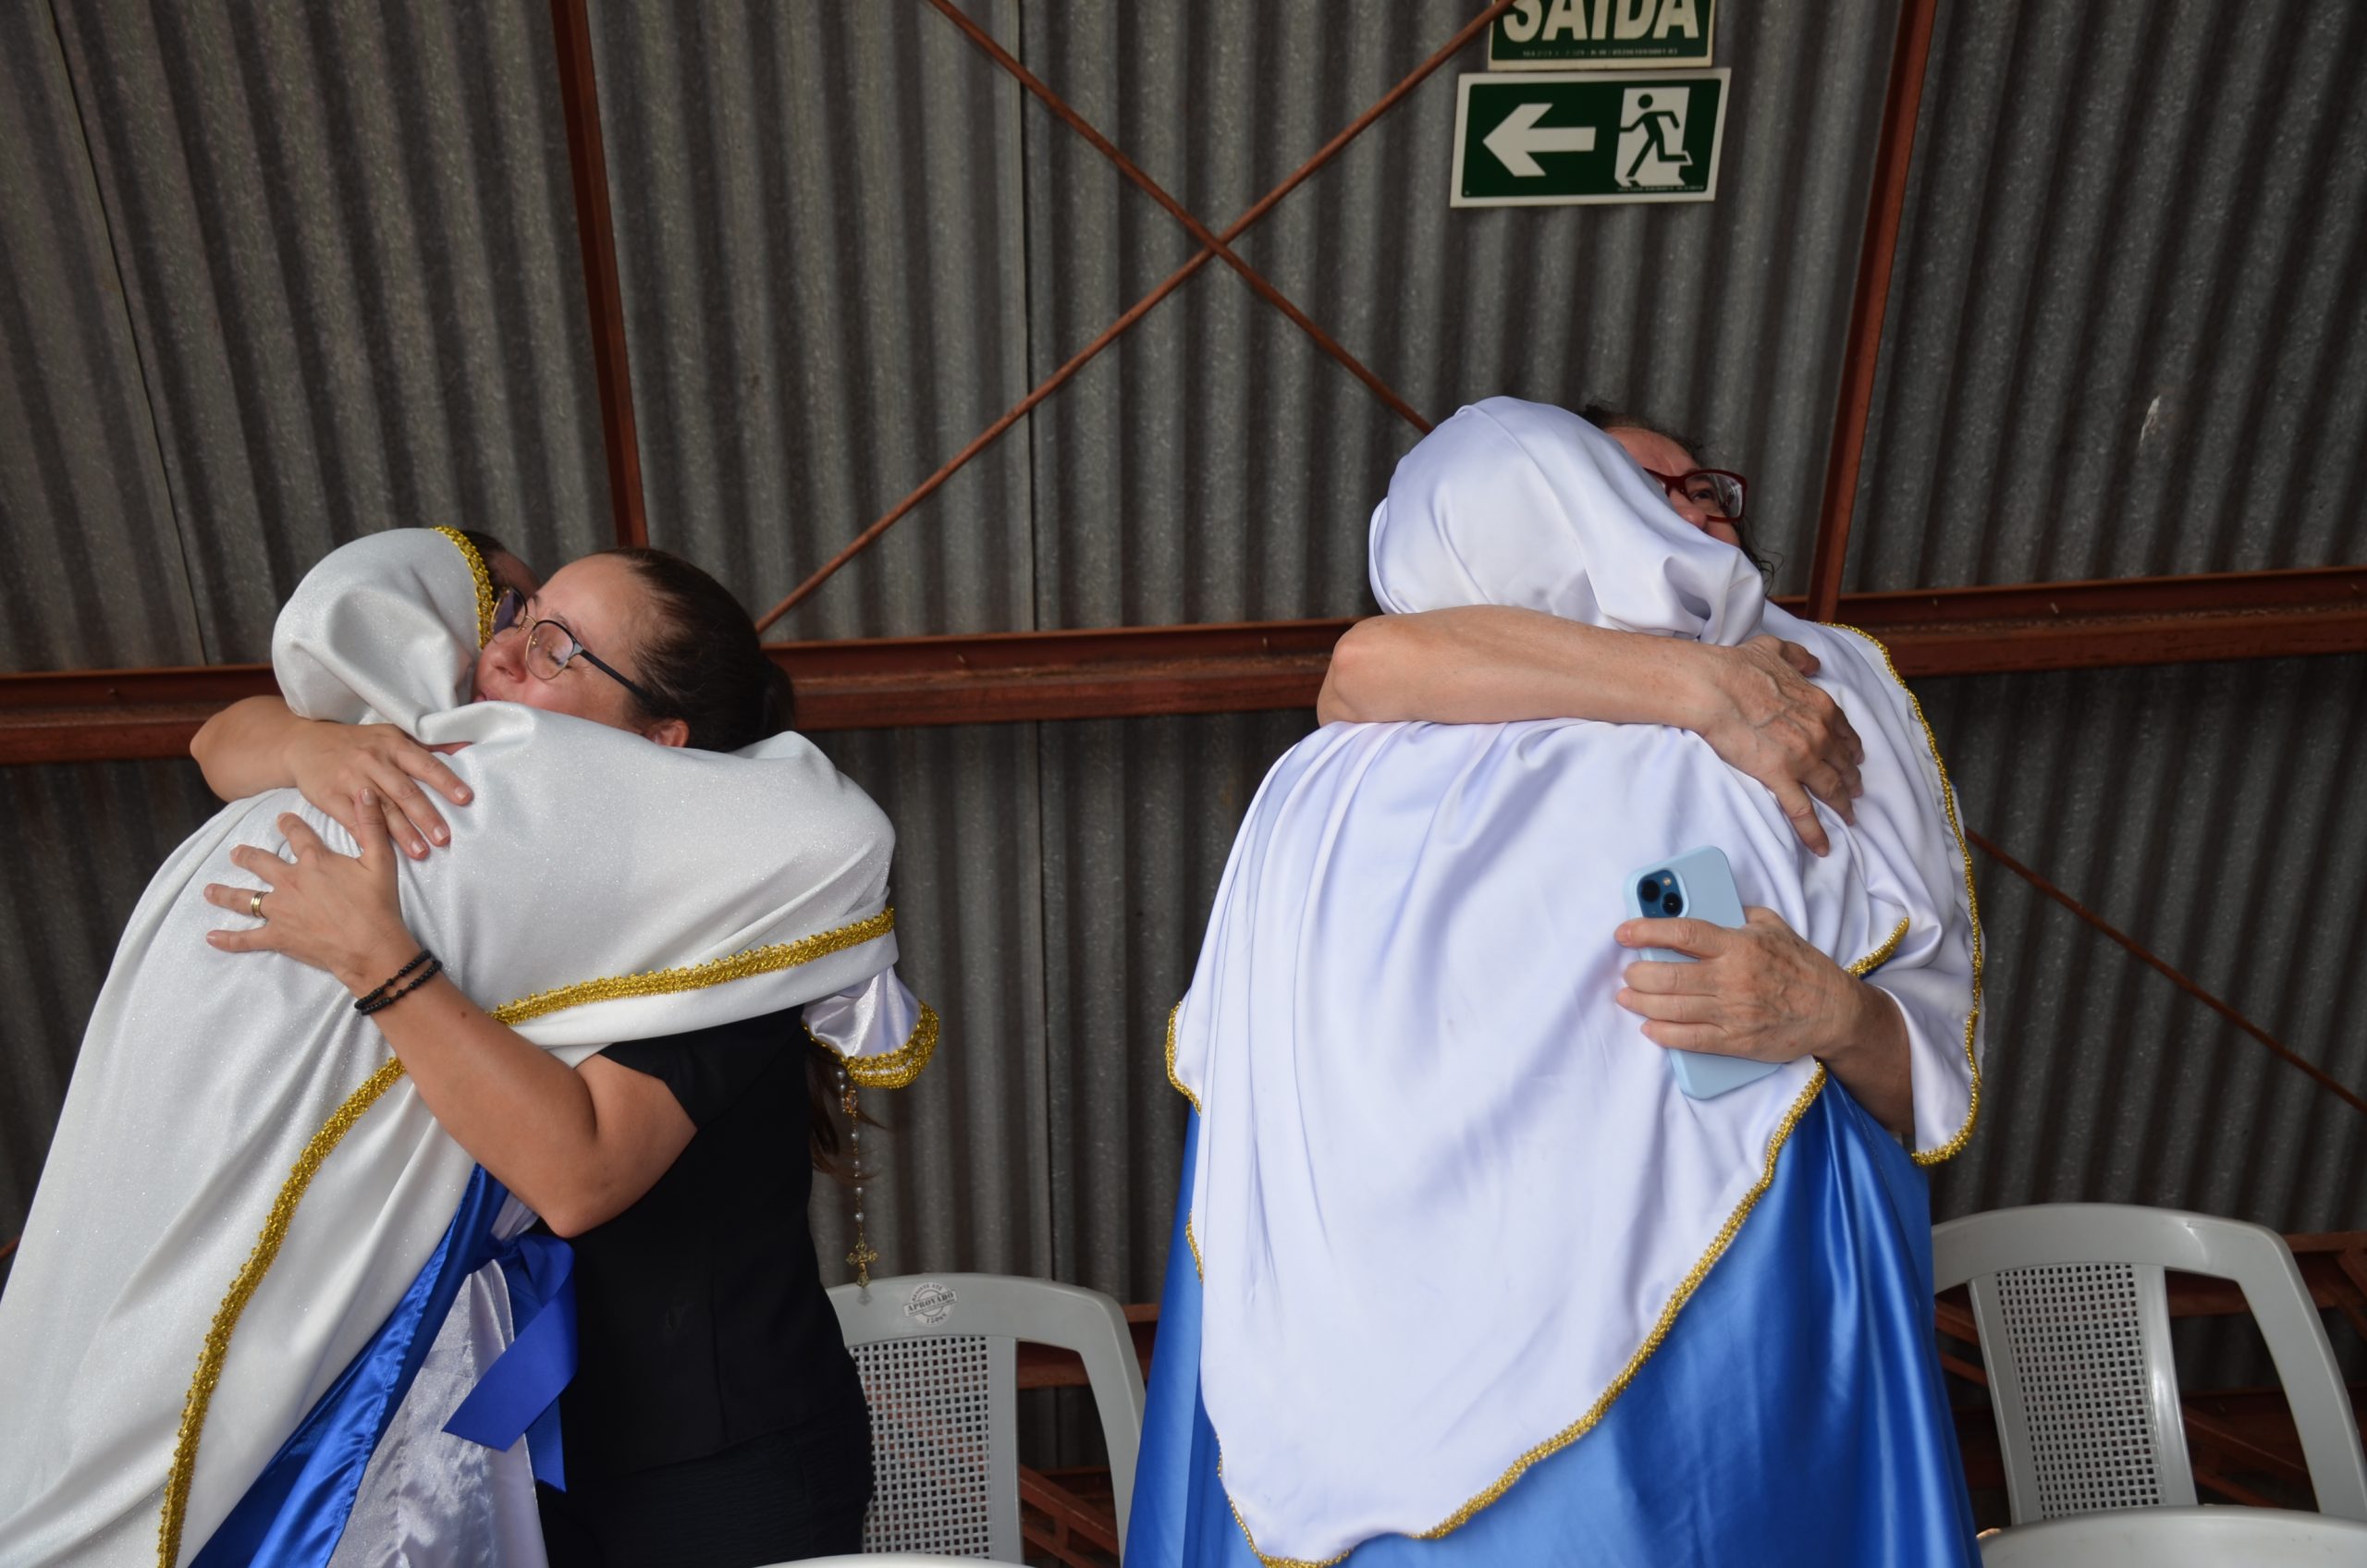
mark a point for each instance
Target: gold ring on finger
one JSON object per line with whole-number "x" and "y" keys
{"x": 254, "y": 905}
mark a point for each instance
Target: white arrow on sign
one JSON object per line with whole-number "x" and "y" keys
{"x": 1520, "y": 135}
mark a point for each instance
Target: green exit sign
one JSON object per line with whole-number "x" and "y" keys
{"x": 1544, "y": 138}
{"x": 1558, "y": 34}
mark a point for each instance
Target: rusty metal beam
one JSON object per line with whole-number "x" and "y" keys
{"x": 1142, "y": 306}
{"x": 602, "y": 295}
{"x": 1893, "y": 158}
{"x": 2130, "y": 621}
{"x": 2276, "y": 1047}
{"x": 92, "y": 716}
{"x": 1193, "y": 226}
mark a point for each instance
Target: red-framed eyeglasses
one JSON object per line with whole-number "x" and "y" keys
{"x": 1717, "y": 491}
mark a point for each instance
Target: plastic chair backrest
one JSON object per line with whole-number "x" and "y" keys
{"x": 2075, "y": 1331}
{"x": 939, "y": 1360}
{"x": 881, "y": 1559}
{"x": 2179, "y": 1537}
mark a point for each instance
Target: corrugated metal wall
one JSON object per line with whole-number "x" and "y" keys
{"x": 847, "y": 242}
{"x": 318, "y": 276}
{"x": 345, "y": 244}
{"x": 82, "y": 491}
{"x": 2130, "y": 298}
{"x": 819, "y": 237}
{"x": 2210, "y": 812}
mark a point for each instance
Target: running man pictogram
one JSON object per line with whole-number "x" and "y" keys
{"x": 1652, "y": 130}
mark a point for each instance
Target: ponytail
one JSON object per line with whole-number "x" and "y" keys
{"x": 700, "y": 659}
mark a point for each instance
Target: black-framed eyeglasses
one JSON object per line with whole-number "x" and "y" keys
{"x": 551, "y": 647}
{"x": 1717, "y": 491}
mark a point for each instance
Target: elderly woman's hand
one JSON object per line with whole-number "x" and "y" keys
{"x": 1763, "y": 717}
{"x": 333, "y": 764}
{"x": 1762, "y": 992}
{"x": 343, "y": 914}
{"x": 1757, "y": 991}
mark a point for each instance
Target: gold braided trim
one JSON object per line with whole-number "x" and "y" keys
{"x": 892, "y": 1070}
{"x": 691, "y": 977}
{"x": 216, "y": 1348}
{"x": 1584, "y": 1424}
{"x": 1172, "y": 1013}
{"x": 698, "y": 977}
{"x": 1972, "y": 905}
{"x": 1880, "y": 955}
{"x": 484, "y": 582}
{"x": 1685, "y": 1287}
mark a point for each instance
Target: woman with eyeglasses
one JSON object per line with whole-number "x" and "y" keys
{"x": 1754, "y": 704}
{"x": 1467, "y": 1268}
{"x": 714, "y": 1416}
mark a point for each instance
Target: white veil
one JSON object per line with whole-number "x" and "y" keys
{"x": 242, "y": 1185}
{"x": 1447, "y": 1195}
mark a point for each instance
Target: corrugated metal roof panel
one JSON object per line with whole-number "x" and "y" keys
{"x": 2128, "y": 302}
{"x": 348, "y": 253}
{"x": 86, "y": 530}
{"x": 962, "y": 1175}
{"x": 1139, "y": 819}
{"x": 1219, "y": 468}
{"x": 2209, "y": 812}
{"x": 819, "y": 232}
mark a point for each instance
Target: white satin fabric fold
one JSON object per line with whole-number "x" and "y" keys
{"x": 871, "y": 1019}
{"x": 430, "y": 1499}
{"x": 207, "y": 1078}
{"x": 1447, "y": 1195}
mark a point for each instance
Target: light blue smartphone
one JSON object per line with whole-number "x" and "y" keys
{"x": 1697, "y": 883}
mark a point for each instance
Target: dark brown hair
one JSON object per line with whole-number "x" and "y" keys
{"x": 822, "y": 1109}
{"x": 700, "y": 658}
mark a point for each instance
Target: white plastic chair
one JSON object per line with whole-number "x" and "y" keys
{"x": 2075, "y": 1331}
{"x": 2180, "y": 1538}
{"x": 939, "y": 1364}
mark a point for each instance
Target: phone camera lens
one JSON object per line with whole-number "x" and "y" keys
{"x": 1648, "y": 892}
{"x": 1673, "y": 905}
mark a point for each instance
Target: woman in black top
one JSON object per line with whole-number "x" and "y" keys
{"x": 715, "y": 1418}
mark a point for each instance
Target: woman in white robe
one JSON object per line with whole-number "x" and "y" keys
{"x": 1458, "y": 1272}
{"x": 245, "y": 1186}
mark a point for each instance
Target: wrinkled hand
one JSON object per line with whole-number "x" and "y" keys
{"x": 1759, "y": 992}
{"x": 1767, "y": 720}
{"x": 335, "y": 763}
{"x": 338, "y": 912}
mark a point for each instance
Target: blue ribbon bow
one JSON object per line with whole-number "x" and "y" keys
{"x": 518, "y": 1396}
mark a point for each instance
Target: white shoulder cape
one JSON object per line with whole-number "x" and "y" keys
{"x": 242, "y": 1183}
{"x": 1448, "y": 1198}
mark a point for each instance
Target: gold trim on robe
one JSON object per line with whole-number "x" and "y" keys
{"x": 715, "y": 971}
{"x": 1972, "y": 906}
{"x": 1601, "y": 1406}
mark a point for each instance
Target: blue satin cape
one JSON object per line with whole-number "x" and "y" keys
{"x": 295, "y": 1513}
{"x": 1796, "y": 1414}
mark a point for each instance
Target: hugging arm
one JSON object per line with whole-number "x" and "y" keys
{"x": 259, "y": 743}
{"x": 579, "y": 1145}
{"x": 1760, "y": 992}
{"x": 1487, "y": 664}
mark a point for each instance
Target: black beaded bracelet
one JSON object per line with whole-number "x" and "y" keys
{"x": 381, "y": 996}
{"x": 379, "y": 1004}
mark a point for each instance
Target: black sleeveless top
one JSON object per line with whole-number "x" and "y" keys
{"x": 701, "y": 1316}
